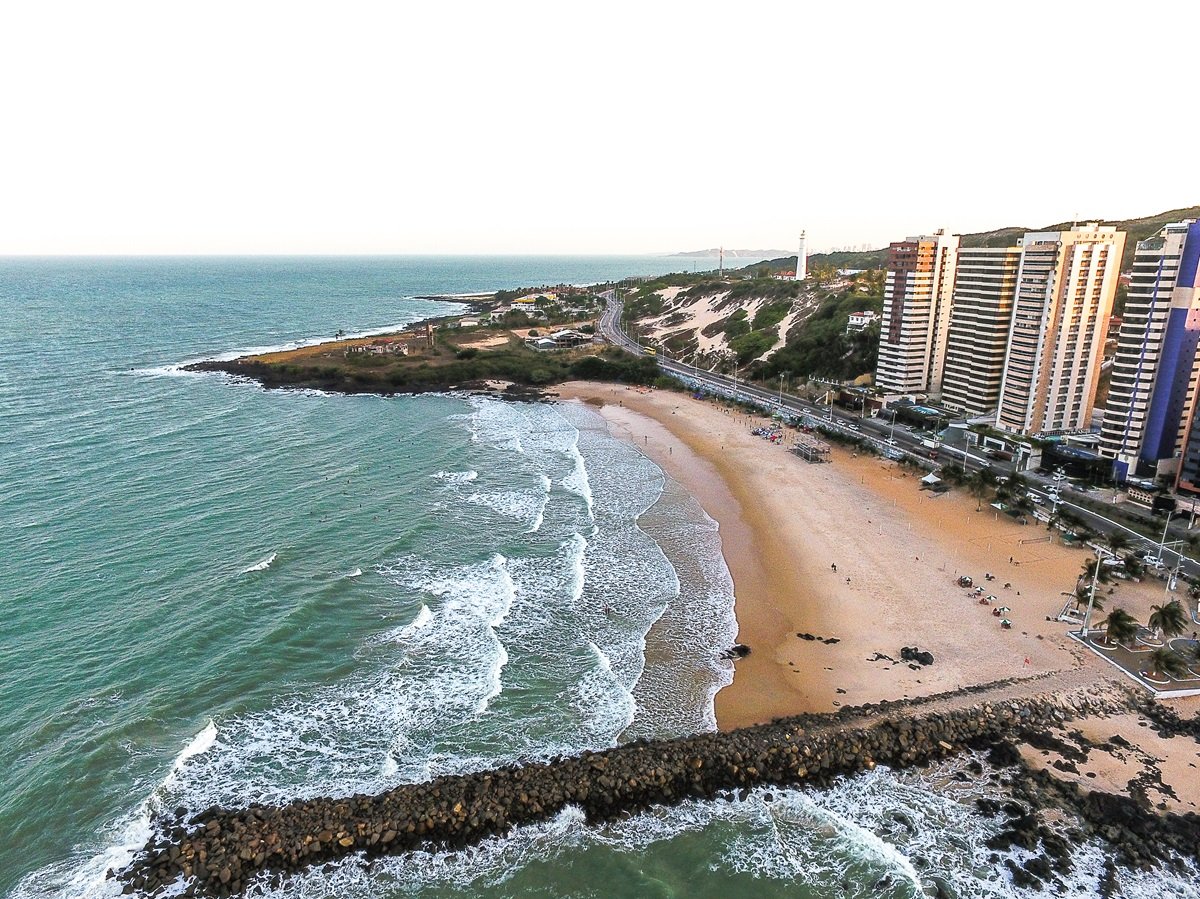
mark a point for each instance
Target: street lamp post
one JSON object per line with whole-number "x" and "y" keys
{"x": 1085, "y": 628}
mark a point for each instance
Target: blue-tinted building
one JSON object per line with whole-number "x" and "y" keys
{"x": 1153, "y": 386}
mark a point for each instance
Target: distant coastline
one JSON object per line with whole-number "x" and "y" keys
{"x": 715, "y": 252}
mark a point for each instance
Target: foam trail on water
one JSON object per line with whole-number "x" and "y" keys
{"x": 424, "y": 616}
{"x": 456, "y": 477}
{"x": 260, "y": 565}
{"x": 541, "y": 514}
{"x": 201, "y": 743}
{"x": 577, "y": 481}
{"x": 357, "y": 572}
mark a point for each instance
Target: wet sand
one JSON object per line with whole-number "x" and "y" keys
{"x": 785, "y": 523}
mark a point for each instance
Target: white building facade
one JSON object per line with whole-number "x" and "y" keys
{"x": 1065, "y": 285}
{"x": 916, "y": 313}
{"x": 985, "y": 282}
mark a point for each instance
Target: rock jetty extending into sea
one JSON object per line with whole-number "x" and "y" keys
{"x": 219, "y": 852}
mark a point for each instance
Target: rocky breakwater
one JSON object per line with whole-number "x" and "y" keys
{"x": 220, "y": 851}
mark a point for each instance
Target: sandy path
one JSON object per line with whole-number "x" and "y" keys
{"x": 898, "y": 550}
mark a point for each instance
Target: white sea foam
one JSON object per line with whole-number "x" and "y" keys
{"x": 457, "y": 477}
{"x": 201, "y": 743}
{"x": 424, "y": 616}
{"x": 357, "y": 572}
{"x": 540, "y": 518}
{"x": 261, "y": 564}
{"x": 526, "y": 508}
{"x": 577, "y": 481}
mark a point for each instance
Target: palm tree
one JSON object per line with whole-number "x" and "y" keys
{"x": 1082, "y": 591}
{"x": 1168, "y": 620}
{"x": 980, "y": 485}
{"x": 1167, "y": 661}
{"x": 1089, "y": 572}
{"x": 1017, "y": 484}
{"x": 1120, "y": 627}
{"x": 1022, "y": 505}
{"x": 1117, "y": 542}
{"x": 952, "y": 473}
{"x": 1133, "y": 566}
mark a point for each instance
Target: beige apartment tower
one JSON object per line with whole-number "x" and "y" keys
{"x": 985, "y": 281}
{"x": 1065, "y": 284}
{"x": 916, "y": 314}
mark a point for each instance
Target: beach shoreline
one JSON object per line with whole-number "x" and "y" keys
{"x": 837, "y": 567}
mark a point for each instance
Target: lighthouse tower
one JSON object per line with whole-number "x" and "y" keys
{"x": 802, "y": 259}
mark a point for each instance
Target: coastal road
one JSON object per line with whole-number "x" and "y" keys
{"x": 888, "y": 436}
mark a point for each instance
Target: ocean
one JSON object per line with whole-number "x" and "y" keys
{"x": 216, "y": 594}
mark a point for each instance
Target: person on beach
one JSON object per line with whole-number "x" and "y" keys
{"x": 834, "y": 566}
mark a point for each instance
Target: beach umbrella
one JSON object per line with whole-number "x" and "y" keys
{"x": 1003, "y": 609}
{"x": 1006, "y": 622}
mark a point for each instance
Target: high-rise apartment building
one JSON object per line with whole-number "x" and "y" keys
{"x": 916, "y": 313}
{"x": 1066, "y": 281}
{"x": 1153, "y": 386}
{"x": 985, "y": 281}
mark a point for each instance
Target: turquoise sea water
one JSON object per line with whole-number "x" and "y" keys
{"x": 212, "y": 593}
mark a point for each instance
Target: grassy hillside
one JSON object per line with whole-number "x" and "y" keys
{"x": 1137, "y": 229}
{"x": 820, "y": 347}
{"x": 459, "y": 359}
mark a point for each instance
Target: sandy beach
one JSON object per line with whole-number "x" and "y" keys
{"x": 785, "y": 523}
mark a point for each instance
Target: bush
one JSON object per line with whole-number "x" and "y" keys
{"x": 752, "y": 345}
{"x": 468, "y": 353}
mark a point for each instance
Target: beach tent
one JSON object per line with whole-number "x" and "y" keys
{"x": 934, "y": 483}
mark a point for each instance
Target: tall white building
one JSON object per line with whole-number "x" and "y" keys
{"x": 1153, "y": 384}
{"x": 916, "y": 313}
{"x": 802, "y": 258}
{"x": 985, "y": 281}
{"x": 1065, "y": 286}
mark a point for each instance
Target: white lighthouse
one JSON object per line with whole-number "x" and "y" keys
{"x": 802, "y": 259}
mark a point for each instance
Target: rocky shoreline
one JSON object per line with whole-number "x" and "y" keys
{"x": 219, "y": 852}
{"x": 273, "y": 377}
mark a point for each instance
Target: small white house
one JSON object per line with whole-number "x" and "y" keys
{"x": 860, "y": 321}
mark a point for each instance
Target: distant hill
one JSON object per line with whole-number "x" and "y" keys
{"x": 1137, "y": 229}
{"x": 714, "y": 252}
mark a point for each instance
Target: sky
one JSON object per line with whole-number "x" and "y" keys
{"x": 613, "y": 127}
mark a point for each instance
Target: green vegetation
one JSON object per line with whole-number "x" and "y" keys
{"x": 764, "y": 288}
{"x": 820, "y": 346}
{"x": 445, "y": 365}
{"x": 753, "y": 344}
